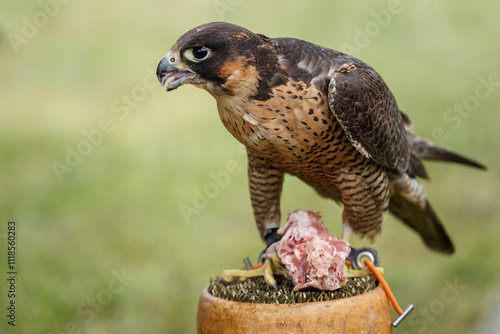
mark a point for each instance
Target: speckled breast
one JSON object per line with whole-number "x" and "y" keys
{"x": 296, "y": 131}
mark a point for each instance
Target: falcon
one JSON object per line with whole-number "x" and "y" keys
{"x": 318, "y": 114}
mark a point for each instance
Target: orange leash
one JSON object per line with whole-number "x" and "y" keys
{"x": 388, "y": 292}
{"x": 384, "y": 284}
{"x": 257, "y": 266}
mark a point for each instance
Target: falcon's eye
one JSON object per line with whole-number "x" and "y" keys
{"x": 198, "y": 53}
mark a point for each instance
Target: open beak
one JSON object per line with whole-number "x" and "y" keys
{"x": 165, "y": 71}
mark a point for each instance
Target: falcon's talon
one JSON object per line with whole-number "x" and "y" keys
{"x": 268, "y": 270}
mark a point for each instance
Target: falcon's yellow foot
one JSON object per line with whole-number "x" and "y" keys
{"x": 267, "y": 269}
{"x": 351, "y": 272}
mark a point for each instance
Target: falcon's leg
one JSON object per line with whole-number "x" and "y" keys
{"x": 365, "y": 200}
{"x": 349, "y": 271}
{"x": 265, "y": 182}
{"x": 346, "y": 232}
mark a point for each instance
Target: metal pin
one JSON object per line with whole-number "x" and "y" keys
{"x": 248, "y": 264}
{"x": 402, "y": 317}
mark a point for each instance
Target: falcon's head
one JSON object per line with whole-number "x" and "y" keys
{"x": 222, "y": 58}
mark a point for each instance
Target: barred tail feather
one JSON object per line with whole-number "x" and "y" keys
{"x": 410, "y": 205}
{"x": 423, "y": 149}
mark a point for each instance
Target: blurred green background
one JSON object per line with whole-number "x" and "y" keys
{"x": 76, "y": 76}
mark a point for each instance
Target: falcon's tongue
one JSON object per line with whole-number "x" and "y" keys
{"x": 178, "y": 78}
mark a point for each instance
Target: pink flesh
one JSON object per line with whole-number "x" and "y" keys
{"x": 312, "y": 256}
{"x": 175, "y": 75}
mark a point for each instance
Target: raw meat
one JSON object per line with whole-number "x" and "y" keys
{"x": 312, "y": 257}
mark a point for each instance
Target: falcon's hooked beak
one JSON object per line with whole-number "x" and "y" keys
{"x": 169, "y": 68}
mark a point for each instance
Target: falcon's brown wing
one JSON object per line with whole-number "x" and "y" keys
{"x": 368, "y": 113}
